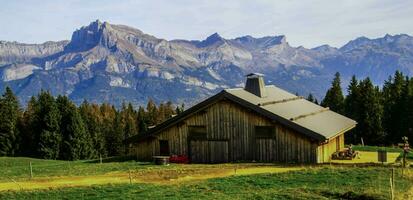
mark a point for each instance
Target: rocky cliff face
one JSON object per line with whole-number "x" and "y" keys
{"x": 114, "y": 63}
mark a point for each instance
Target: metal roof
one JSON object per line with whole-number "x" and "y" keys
{"x": 298, "y": 110}
{"x": 279, "y": 105}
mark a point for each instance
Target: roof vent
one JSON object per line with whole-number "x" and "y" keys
{"x": 255, "y": 84}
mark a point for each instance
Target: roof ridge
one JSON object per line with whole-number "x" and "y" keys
{"x": 309, "y": 114}
{"x": 280, "y": 101}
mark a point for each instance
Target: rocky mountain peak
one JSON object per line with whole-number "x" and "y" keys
{"x": 211, "y": 40}
{"x": 87, "y": 36}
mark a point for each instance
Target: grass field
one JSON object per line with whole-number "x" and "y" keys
{"x": 388, "y": 149}
{"x": 224, "y": 181}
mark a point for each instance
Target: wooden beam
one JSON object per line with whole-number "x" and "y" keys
{"x": 309, "y": 114}
{"x": 280, "y": 101}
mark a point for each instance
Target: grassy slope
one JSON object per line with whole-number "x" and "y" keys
{"x": 325, "y": 183}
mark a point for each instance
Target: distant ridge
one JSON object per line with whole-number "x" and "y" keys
{"x": 104, "y": 62}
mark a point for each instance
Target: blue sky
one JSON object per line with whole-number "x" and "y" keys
{"x": 307, "y": 23}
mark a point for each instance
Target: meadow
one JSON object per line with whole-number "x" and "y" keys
{"x": 137, "y": 180}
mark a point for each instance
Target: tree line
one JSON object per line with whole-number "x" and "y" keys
{"x": 384, "y": 115}
{"x": 55, "y": 128}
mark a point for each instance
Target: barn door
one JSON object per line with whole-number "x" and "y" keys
{"x": 204, "y": 151}
{"x": 198, "y": 151}
{"x": 218, "y": 151}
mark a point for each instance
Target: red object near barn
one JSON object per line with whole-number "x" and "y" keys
{"x": 179, "y": 159}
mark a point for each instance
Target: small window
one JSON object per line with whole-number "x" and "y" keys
{"x": 164, "y": 147}
{"x": 197, "y": 132}
{"x": 262, "y": 132}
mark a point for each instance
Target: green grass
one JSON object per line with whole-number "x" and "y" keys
{"x": 321, "y": 183}
{"x": 388, "y": 149}
{"x": 18, "y": 168}
{"x": 376, "y": 148}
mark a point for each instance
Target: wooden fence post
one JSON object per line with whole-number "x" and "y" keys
{"x": 31, "y": 170}
{"x": 392, "y": 177}
{"x": 391, "y": 190}
{"x": 130, "y": 177}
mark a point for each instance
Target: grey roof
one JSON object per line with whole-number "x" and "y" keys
{"x": 298, "y": 110}
{"x": 283, "y": 107}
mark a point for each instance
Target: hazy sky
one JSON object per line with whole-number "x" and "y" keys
{"x": 304, "y": 22}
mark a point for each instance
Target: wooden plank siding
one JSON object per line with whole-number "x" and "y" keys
{"x": 231, "y": 137}
{"x": 325, "y": 150}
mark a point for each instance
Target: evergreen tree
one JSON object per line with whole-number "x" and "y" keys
{"x": 352, "y": 109}
{"x": 371, "y": 112}
{"x": 109, "y": 124}
{"x": 9, "y": 116}
{"x": 76, "y": 143}
{"x": 28, "y": 129}
{"x": 311, "y": 98}
{"x": 92, "y": 119}
{"x": 152, "y": 112}
{"x": 115, "y": 139}
{"x": 180, "y": 109}
{"x": 47, "y": 126}
{"x": 142, "y": 120}
{"x": 393, "y": 106}
{"x": 130, "y": 125}
{"x": 406, "y": 121}
{"x": 334, "y": 98}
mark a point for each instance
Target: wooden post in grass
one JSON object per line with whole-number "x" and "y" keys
{"x": 391, "y": 189}
{"x": 362, "y": 142}
{"x": 31, "y": 170}
{"x": 130, "y": 177}
{"x": 100, "y": 158}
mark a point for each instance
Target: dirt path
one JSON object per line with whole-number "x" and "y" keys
{"x": 157, "y": 177}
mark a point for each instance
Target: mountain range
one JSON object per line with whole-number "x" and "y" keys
{"x": 104, "y": 62}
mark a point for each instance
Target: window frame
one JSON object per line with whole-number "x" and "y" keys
{"x": 161, "y": 150}
{"x": 270, "y": 133}
{"x": 197, "y": 135}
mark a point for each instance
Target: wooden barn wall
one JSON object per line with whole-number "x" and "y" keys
{"x": 325, "y": 151}
{"x": 231, "y": 132}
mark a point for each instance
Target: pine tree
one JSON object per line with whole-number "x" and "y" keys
{"x": 29, "y": 129}
{"x": 130, "y": 125}
{"x": 142, "y": 120}
{"x": 48, "y": 132}
{"x": 371, "y": 112}
{"x": 114, "y": 140}
{"x": 406, "y": 120}
{"x": 9, "y": 116}
{"x": 334, "y": 98}
{"x": 152, "y": 112}
{"x": 311, "y": 98}
{"x": 109, "y": 124}
{"x": 393, "y": 106}
{"x": 76, "y": 143}
{"x": 180, "y": 109}
{"x": 352, "y": 109}
{"x": 93, "y": 122}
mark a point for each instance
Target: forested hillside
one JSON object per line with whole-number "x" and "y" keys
{"x": 55, "y": 128}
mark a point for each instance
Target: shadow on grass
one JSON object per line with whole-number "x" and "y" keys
{"x": 350, "y": 196}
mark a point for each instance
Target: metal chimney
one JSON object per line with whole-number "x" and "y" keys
{"x": 255, "y": 84}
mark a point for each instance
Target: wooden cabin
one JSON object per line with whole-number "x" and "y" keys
{"x": 256, "y": 123}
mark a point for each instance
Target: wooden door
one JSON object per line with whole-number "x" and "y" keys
{"x": 218, "y": 151}
{"x": 198, "y": 151}
{"x": 204, "y": 151}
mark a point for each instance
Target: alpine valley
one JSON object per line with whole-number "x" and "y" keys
{"x": 115, "y": 63}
